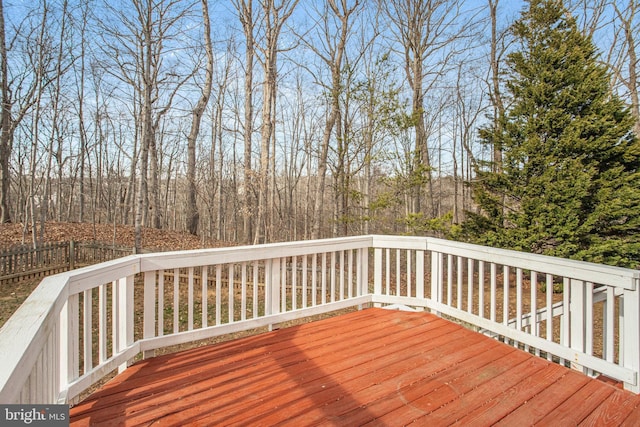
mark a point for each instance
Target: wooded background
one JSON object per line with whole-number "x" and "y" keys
{"x": 259, "y": 121}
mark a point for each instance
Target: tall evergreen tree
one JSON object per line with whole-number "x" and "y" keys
{"x": 570, "y": 183}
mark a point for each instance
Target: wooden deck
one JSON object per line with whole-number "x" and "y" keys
{"x": 373, "y": 366}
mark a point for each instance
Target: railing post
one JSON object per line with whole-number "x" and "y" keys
{"x": 630, "y": 353}
{"x": 272, "y": 288}
{"x": 377, "y": 273}
{"x": 68, "y": 345}
{"x": 577, "y": 318}
{"x": 149, "y": 320}
{"x": 436, "y": 277}
{"x": 125, "y": 316}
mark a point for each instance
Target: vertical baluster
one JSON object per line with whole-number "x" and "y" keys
{"x": 398, "y": 272}
{"x": 243, "y": 291}
{"x": 535, "y": 325}
{"x": 102, "y": 323}
{"x": 449, "y": 279}
{"x": 304, "y": 280}
{"x": 69, "y": 341}
{"x": 268, "y": 288}
{"x": 350, "y": 273}
{"x": 50, "y": 365}
{"x": 470, "y": 263}
{"x": 420, "y": 274}
{"x": 519, "y": 313}
{"x": 190, "y": 299}
{"x": 218, "y": 294}
{"x": 87, "y": 329}
{"x": 481, "y": 288}
{"x": 283, "y": 282}
{"x": 114, "y": 318}
{"x": 176, "y": 300}
{"x": 294, "y": 282}
{"x": 608, "y": 340}
{"x": 314, "y": 280}
{"x": 409, "y": 273}
{"x": 459, "y": 280}
{"x": 204, "y": 286}
{"x": 341, "y": 282}
{"x": 505, "y": 291}
{"x": 35, "y": 380}
{"x": 622, "y": 334}
{"x": 333, "y": 276}
{"x": 494, "y": 289}
{"x": 363, "y": 271}
{"x": 231, "y": 295}
{"x": 388, "y": 270}
{"x": 549, "y": 309}
{"x": 160, "y": 303}
{"x": 323, "y": 270}
{"x": 276, "y": 282}
{"x": 565, "y": 319}
{"x": 255, "y": 289}
{"x": 43, "y": 375}
{"x": 519, "y": 299}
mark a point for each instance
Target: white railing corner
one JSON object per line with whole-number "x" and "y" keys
{"x": 149, "y": 321}
{"x": 51, "y": 340}
{"x": 124, "y": 315}
{"x": 630, "y": 334}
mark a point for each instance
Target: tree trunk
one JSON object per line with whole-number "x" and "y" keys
{"x": 6, "y": 130}
{"x": 192, "y": 214}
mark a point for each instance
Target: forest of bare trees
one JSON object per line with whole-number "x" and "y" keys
{"x": 262, "y": 120}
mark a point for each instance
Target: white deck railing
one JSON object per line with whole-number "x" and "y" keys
{"x": 78, "y": 327}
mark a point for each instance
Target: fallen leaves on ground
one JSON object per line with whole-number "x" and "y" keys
{"x": 118, "y": 235}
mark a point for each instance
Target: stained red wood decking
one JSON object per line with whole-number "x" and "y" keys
{"x": 373, "y": 366}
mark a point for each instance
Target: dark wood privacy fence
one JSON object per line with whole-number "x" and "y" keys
{"x": 24, "y": 262}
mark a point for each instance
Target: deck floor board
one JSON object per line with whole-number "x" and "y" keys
{"x": 371, "y": 366}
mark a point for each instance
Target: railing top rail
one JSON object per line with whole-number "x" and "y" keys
{"x": 198, "y": 257}
{"x": 400, "y": 242}
{"x": 25, "y": 332}
{"x": 590, "y": 272}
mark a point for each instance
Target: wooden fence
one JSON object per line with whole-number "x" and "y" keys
{"x": 23, "y": 262}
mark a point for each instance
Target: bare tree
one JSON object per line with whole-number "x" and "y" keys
{"x": 330, "y": 47}
{"x": 275, "y": 14}
{"x": 244, "y": 9}
{"x": 6, "y": 135}
{"x": 618, "y": 23}
{"x": 426, "y": 31}
{"x": 140, "y": 58}
{"x": 629, "y": 25}
{"x": 495, "y": 57}
{"x": 19, "y": 87}
{"x": 193, "y": 217}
